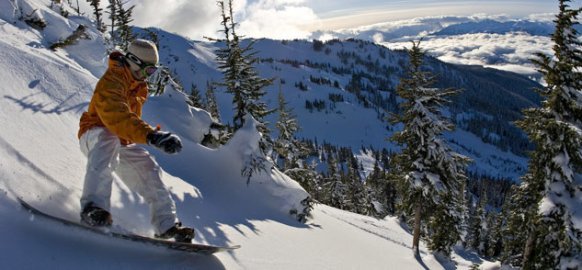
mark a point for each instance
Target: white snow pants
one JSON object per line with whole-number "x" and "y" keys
{"x": 134, "y": 165}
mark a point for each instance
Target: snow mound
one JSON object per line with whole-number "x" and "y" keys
{"x": 222, "y": 166}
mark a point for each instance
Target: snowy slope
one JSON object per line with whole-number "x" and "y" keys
{"x": 42, "y": 94}
{"x": 348, "y": 123}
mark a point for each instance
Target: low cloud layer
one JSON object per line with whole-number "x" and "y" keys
{"x": 508, "y": 49}
{"x": 511, "y": 52}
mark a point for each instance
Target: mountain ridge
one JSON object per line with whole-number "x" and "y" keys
{"x": 364, "y": 76}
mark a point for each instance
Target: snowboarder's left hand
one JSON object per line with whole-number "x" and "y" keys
{"x": 165, "y": 141}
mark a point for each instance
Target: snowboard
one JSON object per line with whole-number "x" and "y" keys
{"x": 185, "y": 247}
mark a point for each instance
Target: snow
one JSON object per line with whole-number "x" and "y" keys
{"x": 562, "y": 161}
{"x": 367, "y": 161}
{"x": 42, "y": 95}
{"x": 486, "y": 158}
{"x": 348, "y": 123}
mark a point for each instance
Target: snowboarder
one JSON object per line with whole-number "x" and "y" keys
{"x": 110, "y": 133}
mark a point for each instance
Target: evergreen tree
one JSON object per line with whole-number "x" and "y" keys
{"x": 357, "y": 195}
{"x": 98, "y": 12}
{"x": 383, "y": 191}
{"x": 335, "y": 189}
{"x": 242, "y": 80}
{"x": 218, "y": 133}
{"x": 112, "y": 7}
{"x": 486, "y": 234}
{"x": 552, "y": 183}
{"x": 498, "y": 234}
{"x": 77, "y": 9}
{"x": 57, "y": 6}
{"x": 495, "y": 235}
{"x": 444, "y": 225}
{"x": 465, "y": 215}
{"x": 431, "y": 172}
{"x": 286, "y": 145}
{"x": 476, "y": 227}
{"x": 309, "y": 179}
{"x": 123, "y": 21}
{"x": 240, "y": 76}
{"x": 336, "y": 193}
{"x": 211, "y": 104}
{"x": 522, "y": 207}
{"x": 195, "y": 99}
{"x": 480, "y": 224}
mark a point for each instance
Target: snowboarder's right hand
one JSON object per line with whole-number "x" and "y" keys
{"x": 165, "y": 141}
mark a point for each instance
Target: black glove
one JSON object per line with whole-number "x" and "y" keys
{"x": 165, "y": 141}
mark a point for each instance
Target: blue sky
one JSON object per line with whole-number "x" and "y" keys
{"x": 353, "y": 13}
{"x": 326, "y": 8}
{"x": 298, "y": 18}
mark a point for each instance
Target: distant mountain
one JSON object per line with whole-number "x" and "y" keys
{"x": 489, "y": 41}
{"x": 497, "y": 27}
{"x": 442, "y": 26}
{"x": 350, "y": 86}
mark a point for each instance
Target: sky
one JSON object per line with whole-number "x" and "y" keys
{"x": 287, "y": 19}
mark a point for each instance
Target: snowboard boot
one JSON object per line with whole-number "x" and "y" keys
{"x": 95, "y": 216}
{"x": 179, "y": 233}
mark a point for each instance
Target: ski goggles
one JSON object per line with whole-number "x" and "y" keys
{"x": 147, "y": 69}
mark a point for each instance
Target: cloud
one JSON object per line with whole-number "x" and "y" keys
{"x": 193, "y": 19}
{"x": 412, "y": 28}
{"x": 511, "y": 52}
{"x": 508, "y": 49}
{"x": 542, "y": 17}
{"x": 278, "y": 19}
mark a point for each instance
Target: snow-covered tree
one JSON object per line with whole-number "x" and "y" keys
{"x": 497, "y": 234}
{"x": 112, "y": 11}
{"x": 481, "y": 228}
{"x": 357, "y": 195}
{"x": 286, "y": 145}
{"x": 383, "y": 191}
{"x": 57, "y": 6}
{"x": 465, "y": 215}
{"x": 195, "y": 98}
{"x": 241, "y": 78}
{"x": 77, "y": 8}
{"x": 522, "y": 206}
{"x": 98, "y": 12}
{"x": 431, "y": 172}
{"x": 334, "y": 188}
{"x": 477, "y": 226}
{"x": 309, "y": 179}
{"x": 211, "y": 104}
{"x": 293, "y": 152}
{"x": 123, "y": 20}
{"x": 552, "y": 188}
{"x": 444, "y": 225}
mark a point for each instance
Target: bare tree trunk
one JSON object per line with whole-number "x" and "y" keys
{"x": 529, "y": 247}
{"x": 416, "y": 233}
{"x": 113, "y": 10}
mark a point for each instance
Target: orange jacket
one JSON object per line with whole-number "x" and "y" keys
{"x": 116, "y": 104}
